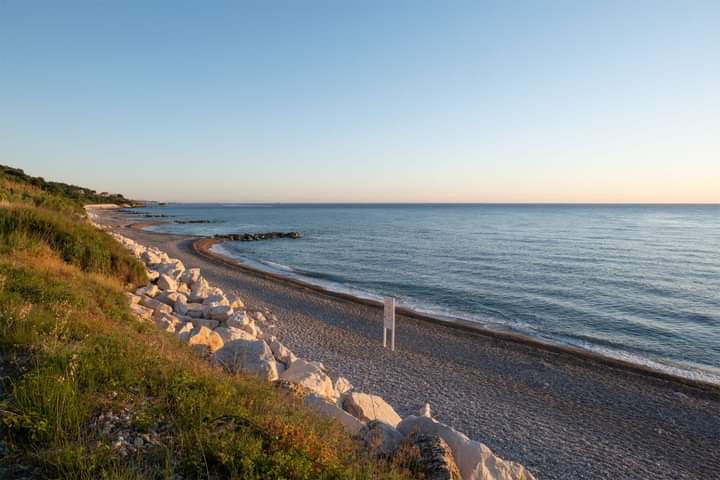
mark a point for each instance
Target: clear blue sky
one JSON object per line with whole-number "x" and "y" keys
{"x": 366, "y": 101}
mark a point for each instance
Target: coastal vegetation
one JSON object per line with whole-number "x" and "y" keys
{"x": 78, "y": 369}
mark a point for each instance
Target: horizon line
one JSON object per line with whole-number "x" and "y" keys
{"x": 420, "y": 203}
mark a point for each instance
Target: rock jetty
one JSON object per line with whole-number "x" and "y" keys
{"x": 218, "y": 326}
{"x": 251, "y": 237}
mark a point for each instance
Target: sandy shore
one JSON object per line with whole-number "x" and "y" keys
{"x": 560, "y": 415}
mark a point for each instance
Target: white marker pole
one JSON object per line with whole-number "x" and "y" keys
{"x": 389, "y": 322}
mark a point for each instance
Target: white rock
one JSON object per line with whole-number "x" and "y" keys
{"x": 259, "y": 317}
{"x": 238, "y": 319}
{"x": 235, "y": 301}
{"x": 181, "y": 305}
{"x": 268, "y": 337}
{"x": 132, "y": 298}
{"x": 249, "y": 356}
{"x": 231, "y": 333}
{"x": 474, "y": 459}
{"x": 251, "y": 328}
{"x": 199, "y": 291}
{"x": 368, "y": 407}
{"x": 211, "y": 324}
{"x": 166, "y": 325}
{"x": 282, "y": 353}
{"x": 221, "y": 312}
{"x": 174, "y": 268}
{"x": 381, "y": 438}
{"x": 351, "y": 424}
{"x": 216, "y": 291}
{"x": 140, "y": 311}
{"x": 150, "y": 291}
{"x": 169, "y": 298}
{"x": 166, "y": 282}
{"x": 196, "y": 310}
{"x": 215, "y": 300}
{"x": 205, "y": 340}
{"x": 190, "y": 276}
{"x": 425, "y": 411}
{"x": 148, "y": 302}
{"x": 152, "y": 275}
{"x": 150, "y": 257}
{"x": 157, "y": 315}
{"x": 342, "y": 386}
{"x": 311, "y": 376}
{"x": 183, "y": 288}
{"x": 183, "y": 331}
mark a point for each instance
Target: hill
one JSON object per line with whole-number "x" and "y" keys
{"x": 79, "y": 372}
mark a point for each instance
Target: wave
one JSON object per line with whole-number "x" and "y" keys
{"x": 687, "y": 370}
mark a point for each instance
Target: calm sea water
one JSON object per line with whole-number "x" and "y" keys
{"x": 635, "y": 282}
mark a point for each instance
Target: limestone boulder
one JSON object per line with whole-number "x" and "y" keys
{"x": 205, "y": 322}
{"x": 251, "y": 328}
{"x": 167, "y": 325}
{"x": 200, "y": 291}
{"x": 220, "y": 312}
{"x": 380, "y": 438}
{"x": 474, "y": 459}
{"x": 190, "y": 276}
{"x": 282, "y": 353}
{"x": 238, "y": 319}
{"x": 170, "y": 297}
{"x": 184, "y": 330}
{"x": 143, "y": 313}
{"x": 321, "y": 405}
{"x": 229, "y": 334}
{"x": 249, "y": 356}
{"x": 150, "y": 257}
{"x": 153, "y": 304}
{"x": 166, "y": 282}
{"x": 132, "y": 298}
{"x": 150, "y": 291}
{"x": 173, "y": 268}
{"x": 196, "y": 310}
{"x": 310, "y": 375}
{"x": 368, "y": 407}
{"x": 216, "y": 300}
{"x": 342, "y": 386}
{"x": 157, "y": 315}
{"x": 205, "y": 340}
{"x": 235, "y": 301}
{"x": 181, "y": 306}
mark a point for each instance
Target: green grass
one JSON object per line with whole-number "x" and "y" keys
{"x": 70, "y": 351}
{"x": 73, "y": 241}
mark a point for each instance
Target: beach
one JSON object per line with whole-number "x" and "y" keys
{"x": 560, "y": 414}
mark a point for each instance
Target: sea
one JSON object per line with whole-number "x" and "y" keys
{"x": 640, "y": 283}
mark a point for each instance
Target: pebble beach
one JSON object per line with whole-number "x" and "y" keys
{"x": 561, "y": 415}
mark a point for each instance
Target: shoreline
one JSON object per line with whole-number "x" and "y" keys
{"x": 562, "y": 415}
{"x": 203, "y": 247}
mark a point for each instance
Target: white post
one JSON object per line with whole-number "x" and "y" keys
{"x": 389, "y": 322}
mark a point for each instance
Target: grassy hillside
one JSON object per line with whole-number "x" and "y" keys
{"x": 78, "y": 370}
{"x": 16, "y": 185}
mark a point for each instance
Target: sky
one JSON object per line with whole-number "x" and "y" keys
{"x": 365, "y": 101}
